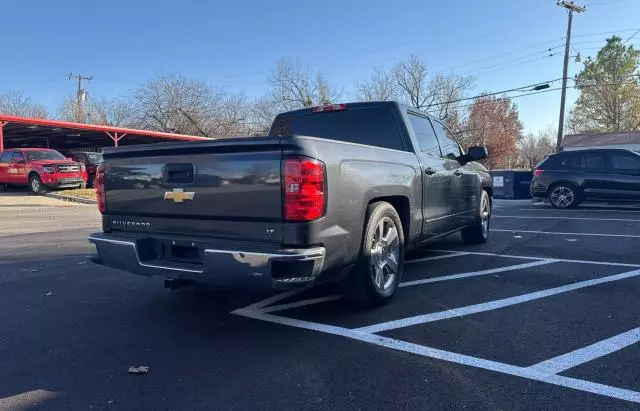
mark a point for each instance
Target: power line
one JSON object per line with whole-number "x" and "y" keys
{"x": 602, "y": 3}
{"x": 499, "y": 92}
{"x": 605, "y": 32}
{"x": 530, "y": 57}
{"x": 632, "y": 36}
{"x": 577, "y": 87}
{"x": 521, "y": 49}
{"x": 483, "y": 72}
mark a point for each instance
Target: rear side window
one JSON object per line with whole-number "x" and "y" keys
{"x": 376, "y": 126}
{"x": 561, "y": 162}
{"x": 625, "y": 162}
{"x": 6, "y": 157}
{"x": 592, "y": 161}
{"x": 427, "y": 141}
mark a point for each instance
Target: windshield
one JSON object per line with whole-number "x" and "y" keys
{"x": 94, "y": 158}
{"x": 44, "y": 155}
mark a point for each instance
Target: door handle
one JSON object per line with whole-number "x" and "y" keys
{"x": 429, "y": 171}
{"x": 458, "y": 173}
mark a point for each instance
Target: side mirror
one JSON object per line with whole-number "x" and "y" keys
{"x": 477, "y": 153}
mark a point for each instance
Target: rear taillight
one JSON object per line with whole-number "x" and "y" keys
{"x": 304, "y": 189}
{"x": 99, "y": 185}
{"x": 329, "y": 107}
{"x": 537, "y": 172}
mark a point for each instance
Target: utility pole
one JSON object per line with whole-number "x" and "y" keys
{"x": 81, "y": 94}
{"x": 571, "y": 7}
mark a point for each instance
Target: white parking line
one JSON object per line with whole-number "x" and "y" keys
{"x": 587, "y": 210}
{"x": 564, "y": 218}
{"x": 491, "y": 305}
{"x": 601, "y": 348}
{"x": 476, "y": 273}
{"x": 577, "y": 384}
{"x": 302, "y": 303}
{"x": 556, "y": 233}
{"x": 274, "y": 298}
{"x": 437, "y": 257}
{"x": 564, "y": 260}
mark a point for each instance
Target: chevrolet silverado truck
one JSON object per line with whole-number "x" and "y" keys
{"x": 40, "y": 169}
{"x": 333, "y": 193}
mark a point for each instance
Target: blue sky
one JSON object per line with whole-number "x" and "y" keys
{"x": 235, "y": 44}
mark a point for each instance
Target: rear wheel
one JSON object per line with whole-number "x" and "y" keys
{"x": 377, "y": 273}
{"x": 478, "y": 233}
{"x": 564, "y": 195}
{"x": 35, "y": 184}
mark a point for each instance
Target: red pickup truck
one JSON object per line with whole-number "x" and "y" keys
{"x": 40, "y": 169}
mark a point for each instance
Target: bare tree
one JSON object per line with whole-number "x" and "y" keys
{"x": 263, "y": 112}
{"x": 179, "y": 105}
{"x": 116, "y": 113}
{"x": 436, "y": 95}
{"x": 446, "y": 89}
{"x": 382, "y": 86}
{"x": 411, "y": 76}
{"x": 161, "y": 104}
{"x": 232, "y": 118}
{"x": 294, "y": 86}
{"x": 69, "y": 111}
{"x": 533, "y": 148}
{"x": 15, "y": 103}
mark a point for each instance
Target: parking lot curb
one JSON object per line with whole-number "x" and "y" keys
{"x": 72, "y": 199}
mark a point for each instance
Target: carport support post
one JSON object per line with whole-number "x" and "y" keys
{"x": 2, "y": 124}
{"x": 115, "y": 137}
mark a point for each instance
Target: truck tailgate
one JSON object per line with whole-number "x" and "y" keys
{"x": 228, "y": 188}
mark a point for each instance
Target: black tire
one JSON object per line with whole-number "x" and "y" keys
{"x": 35, "y": 184}
{"x": 3, "y": 187}
{"x": 564, "y": 195}
{"x": 373, "y": 281}
{"x": 478, "y": 233}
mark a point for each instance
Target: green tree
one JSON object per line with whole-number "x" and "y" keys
{"x": 609, "y": 90}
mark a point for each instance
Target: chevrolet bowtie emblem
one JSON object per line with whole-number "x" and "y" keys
{"x": 178, "y": 195}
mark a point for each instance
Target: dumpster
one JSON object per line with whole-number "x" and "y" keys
{"x": 511, "y": 184}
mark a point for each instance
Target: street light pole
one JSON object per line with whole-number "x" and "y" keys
{"x": 571, "y": 7}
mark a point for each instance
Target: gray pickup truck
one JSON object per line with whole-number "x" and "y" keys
{"x": 333, "y": 193}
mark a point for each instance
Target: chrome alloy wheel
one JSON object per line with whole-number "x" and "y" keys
{"x": 35, "y": 185}
{"x": 385, "y": 254}
{"x": 562, "y": 196}
{"x": 485, "y": 214}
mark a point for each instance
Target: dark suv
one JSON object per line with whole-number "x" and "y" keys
{"x": 568, "y": 178}
{"x": 91, "y": 161}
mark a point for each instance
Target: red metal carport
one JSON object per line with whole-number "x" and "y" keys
{"x": 16, "y": 132}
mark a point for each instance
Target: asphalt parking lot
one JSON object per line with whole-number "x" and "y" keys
{"x": 544, "y": 316}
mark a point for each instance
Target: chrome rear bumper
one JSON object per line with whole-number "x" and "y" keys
{"x": 248, "y": 267}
